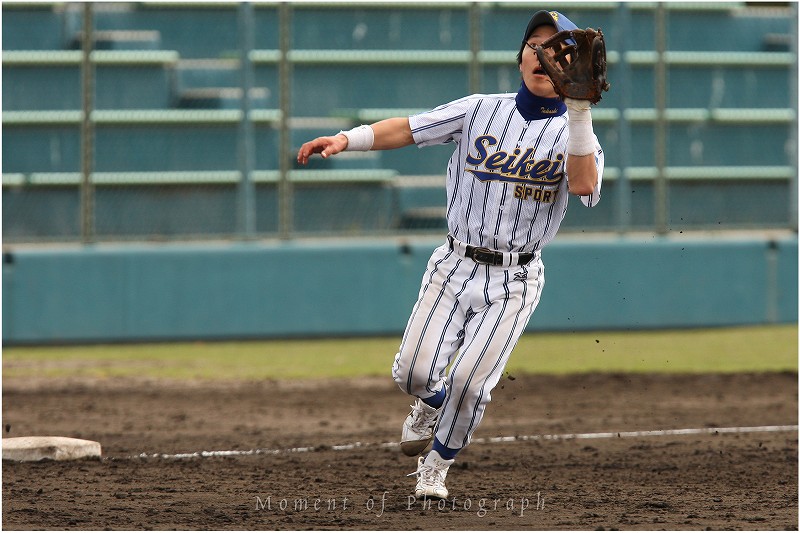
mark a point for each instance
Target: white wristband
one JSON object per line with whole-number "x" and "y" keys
{"x": 581, "y": 135}
{"x": 359, "y": 139}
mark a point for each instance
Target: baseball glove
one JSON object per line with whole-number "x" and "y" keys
{"x": 577, "y": 70}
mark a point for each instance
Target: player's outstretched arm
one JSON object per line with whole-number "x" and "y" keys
{"x": 581, "y": 166}
{"x": 582, "y": 172}
{"x": 392, "y": 133}
{"x": 325, "y": 146}
{"x": 384, "y": 135}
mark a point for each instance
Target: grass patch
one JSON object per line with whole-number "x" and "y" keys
{"x": 747, "y": 349}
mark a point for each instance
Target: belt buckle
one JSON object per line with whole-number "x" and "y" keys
{"x": 485, "y": 256}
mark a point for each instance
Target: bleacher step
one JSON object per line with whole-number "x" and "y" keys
{"x": 197, "y": 73}
{"x": 777, "y": 42}
{"x": 424, "y": 218}
{"x": 121, "y": 40}
{"x": 221, "y": 98}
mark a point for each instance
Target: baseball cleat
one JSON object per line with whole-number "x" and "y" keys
{"x": 431, "y": 472}
{"x": 418, "y": 428}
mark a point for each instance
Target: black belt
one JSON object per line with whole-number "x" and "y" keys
{"x": 485, "y": 256}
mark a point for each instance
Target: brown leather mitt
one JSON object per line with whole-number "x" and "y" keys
{"x": 577, "y": 70}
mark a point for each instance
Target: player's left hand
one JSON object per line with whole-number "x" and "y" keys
{"x": 577, "y": 70}
{"x": 325, "y": 146}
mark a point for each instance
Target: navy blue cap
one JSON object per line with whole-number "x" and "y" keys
{"x": 553, "y": 18}
{"x": 540, "y": 18}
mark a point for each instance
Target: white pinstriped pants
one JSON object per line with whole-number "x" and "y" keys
{"x": 470, "y": 315}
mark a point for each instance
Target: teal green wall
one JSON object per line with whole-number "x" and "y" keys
{"x": 668, "y": 283}
{"x": 109, "y": 293}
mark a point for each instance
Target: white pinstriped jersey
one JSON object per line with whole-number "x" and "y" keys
{"x": 506, "y": 180}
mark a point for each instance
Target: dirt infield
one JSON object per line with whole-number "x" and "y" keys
{"x": 714, "y": 481}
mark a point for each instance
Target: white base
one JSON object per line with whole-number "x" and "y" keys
{"x": 55, "y": 448}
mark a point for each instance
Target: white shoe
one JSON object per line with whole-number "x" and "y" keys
{"x": 418, "y": 428}
{"x": 431, "y": 472}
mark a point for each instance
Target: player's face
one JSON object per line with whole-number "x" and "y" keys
{"x": 534, "y": 76}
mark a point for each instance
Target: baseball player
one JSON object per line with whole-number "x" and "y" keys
{"x": 517, "y": 158}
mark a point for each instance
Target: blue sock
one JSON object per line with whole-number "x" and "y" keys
{"x": 436, "y": 400}
{"x": 444, "y": 451}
